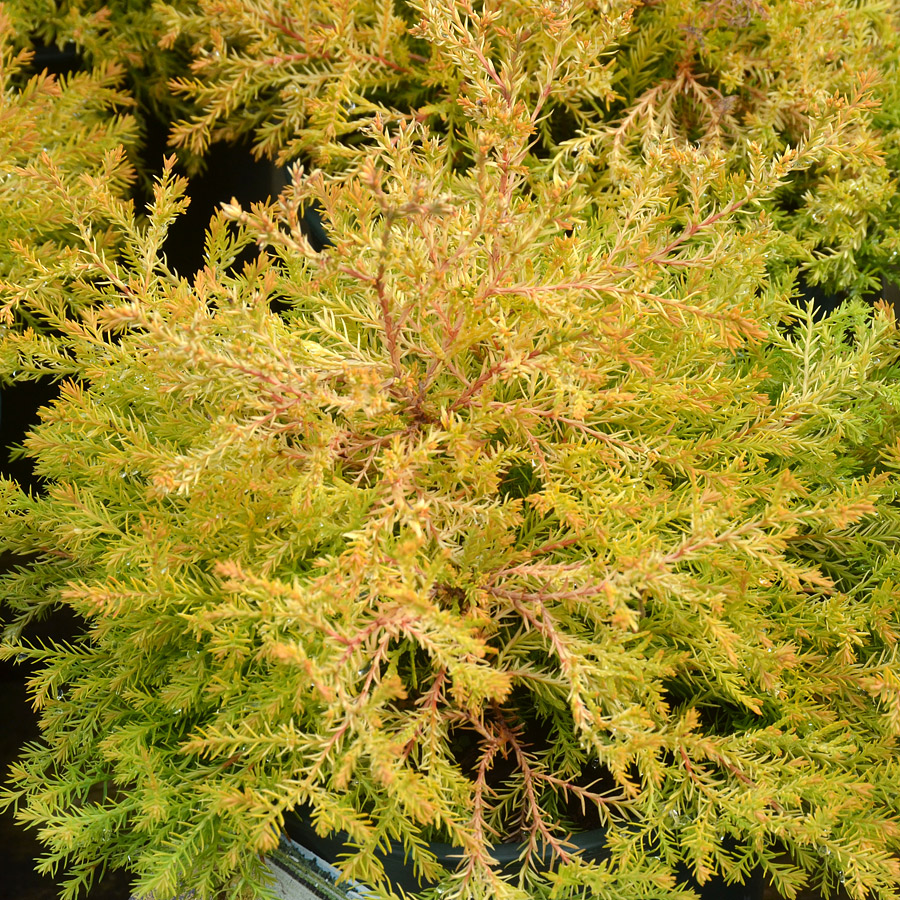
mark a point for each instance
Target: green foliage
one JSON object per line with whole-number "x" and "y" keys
{"x": 732, "y": 73}
{"x": 723, "y": 76}
{"x": 536, "y": 473}
{"x": 76, "y": 121}
{"x": 124, "y": 34}
{"x": 303, "y": 80}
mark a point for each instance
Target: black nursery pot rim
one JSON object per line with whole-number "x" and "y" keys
{"x": 401, "y": 874}
{"x": 399, "y": 869}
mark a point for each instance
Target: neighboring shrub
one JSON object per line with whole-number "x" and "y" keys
{"x": 532, "y": 492}
{"x": 301, "y": 80}
{"x": 726, "y": 75}
{"x": 79, "y": 123}
{"x": 729, "y": 73}
{"x": 124, "y": 34}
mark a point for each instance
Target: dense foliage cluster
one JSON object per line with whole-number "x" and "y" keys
{"x": 82, "y": 125}
{"x": 304, "y": 78}
{"x": 532, "y": 499}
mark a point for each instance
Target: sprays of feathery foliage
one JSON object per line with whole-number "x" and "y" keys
{"x": 82, "y": 123}
{"x": 538, "y": 446}
{"x": 722, "y": 75}
{"x": 302, "y": 79}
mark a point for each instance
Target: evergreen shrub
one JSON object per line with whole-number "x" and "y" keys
{"x": 531, "y": 503}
